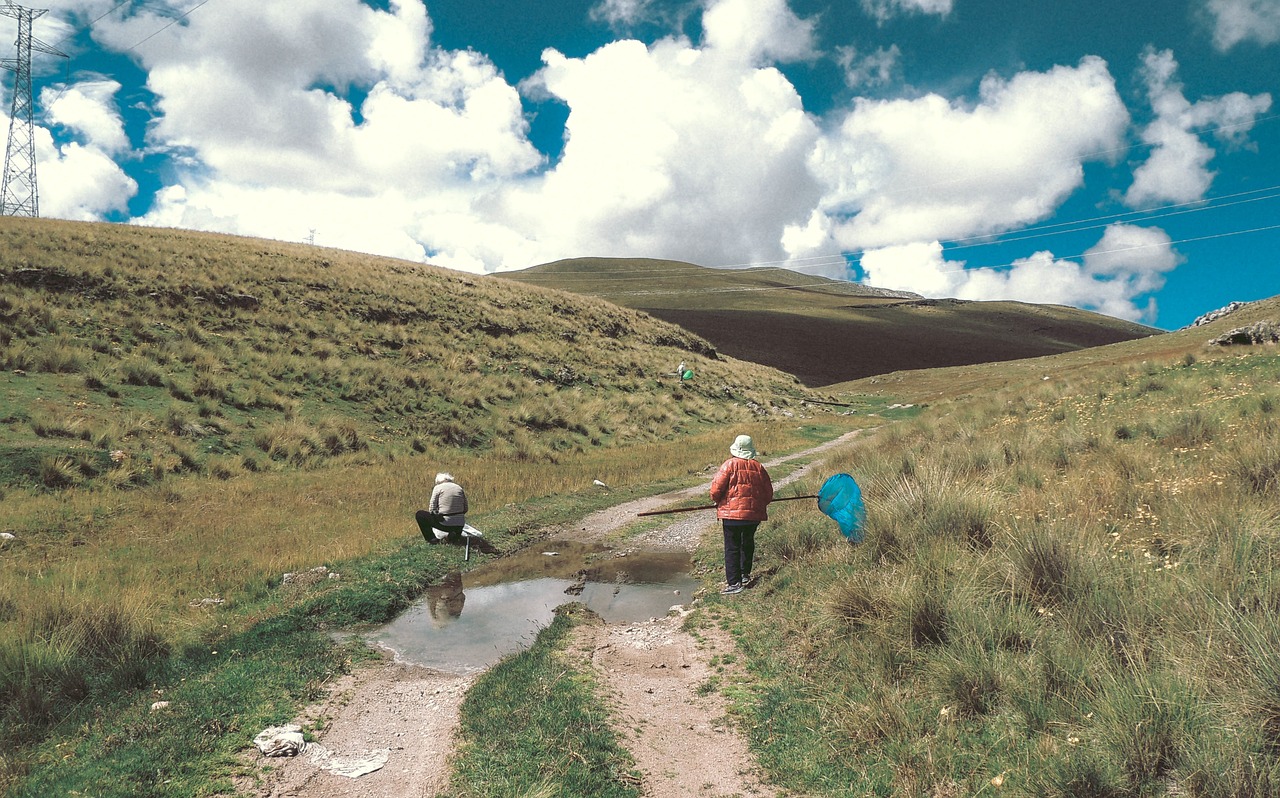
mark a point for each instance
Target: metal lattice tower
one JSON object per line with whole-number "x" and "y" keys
{"x": 19, "y": 195}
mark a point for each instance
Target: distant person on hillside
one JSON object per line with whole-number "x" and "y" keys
{"x": 447, "y": 511}
{"x": 741, "y": 491}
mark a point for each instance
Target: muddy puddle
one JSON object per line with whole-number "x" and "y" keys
{"x": 471, "y": 620}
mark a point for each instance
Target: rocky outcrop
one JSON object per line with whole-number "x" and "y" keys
{"x": 1214, "y": 315}
{"x": 1262, "y": 332}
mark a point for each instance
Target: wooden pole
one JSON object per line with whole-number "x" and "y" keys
{"x": 712, "y": 506}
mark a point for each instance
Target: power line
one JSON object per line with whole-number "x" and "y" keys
{"x": 171, "y": 23}
{"x": 1026, "y": 234}
{"x": 95, "y": 20}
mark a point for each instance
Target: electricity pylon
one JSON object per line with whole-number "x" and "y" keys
{"x": 19, "y": 195}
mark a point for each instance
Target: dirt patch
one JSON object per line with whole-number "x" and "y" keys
{"x": 655, "y": 673}
{"x": 411, "y": 711}
{"x": 658, "y": 679}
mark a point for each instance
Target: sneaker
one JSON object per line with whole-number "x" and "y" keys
{"x": 748, "y": 581}
{"x": 736, "y": 587}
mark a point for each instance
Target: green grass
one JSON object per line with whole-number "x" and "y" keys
{"x": 185, "y": 350}
{"x": 1038, "y": 600}
{"x": 536, "y": 724}
{"x": 101, "y": 600}
{"x": 92, "y": 729}
{"x": 1069, "y": 585}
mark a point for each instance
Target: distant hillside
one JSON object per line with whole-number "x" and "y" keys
{"x": 826, "y": 331}
{"x": 1201, "y": 340}
{"x": 129, "y": 353}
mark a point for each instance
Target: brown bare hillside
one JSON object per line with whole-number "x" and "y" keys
{"x": 925, "y": 385}
{"x": 826, "y": 331}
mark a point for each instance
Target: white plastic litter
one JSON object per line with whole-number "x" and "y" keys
{"x": 352, "y": 767}
{"x": 288, "y": 741}
{"x": 280, "y": 741}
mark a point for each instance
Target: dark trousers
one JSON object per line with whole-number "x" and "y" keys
{"x": 429, "y": 522}
{"x": 739, "y": 549}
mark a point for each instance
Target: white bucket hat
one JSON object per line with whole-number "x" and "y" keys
{"x": 743, "y": 447}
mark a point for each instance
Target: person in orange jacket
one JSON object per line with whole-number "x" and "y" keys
{"x": 741, "y": 491}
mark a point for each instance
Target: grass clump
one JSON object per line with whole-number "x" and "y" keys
{"x": 536, "y": 724}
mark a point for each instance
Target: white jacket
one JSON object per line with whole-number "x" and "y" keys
{"x": 449, "y": 500}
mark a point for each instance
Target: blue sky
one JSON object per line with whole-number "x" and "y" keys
{"x": 1119, "y": 157}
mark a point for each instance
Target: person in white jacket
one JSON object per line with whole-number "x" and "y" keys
{"x": 447, "y": 511}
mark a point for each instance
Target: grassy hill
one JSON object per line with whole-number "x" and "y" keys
{"x": 131, "y": 353}
{"x": 926, "y": 385}
{"x": 828, "y": 331}
{"x": 185, "y": 417}
{"x": 1068, "y": 586}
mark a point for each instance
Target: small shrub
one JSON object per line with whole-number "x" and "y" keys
{"x": 1047, "y": 568}
{"x": 1191, "y": 430}
{"x": 139, "y": 371}
{"x": 856, "y": 601}
{"x": 19, "y": 356}
{"x": 58, "y": 472}
{"x": 799, "y": 540}
{"x": 38, "y": 682}
{"x": 338, "y": 436}
{"x": 1083, "y": 775}
{"x": 59, "y": 355}
{"x": 179, "y": 391}
{"x": 208, "y": 386}
{"x": 188, "y": 459}
{"x": 969, "y": 682}
{"x": 99, "y": 379}
{"x": 175, "y": 420}
{"x": 224, "y": 467}
{"x": 960, "y": 517}
{"x": 1060, "y": 458}
{"x": 1256, "y": 463}
{"x": 928, "y": 620}
{"x": 1149, "y": 724}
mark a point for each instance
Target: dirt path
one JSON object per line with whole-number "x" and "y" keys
{"x": 657, "y": 678}
{"x": 654, "y": 673}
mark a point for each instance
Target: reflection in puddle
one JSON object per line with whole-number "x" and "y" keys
{"x": 469, "y": 622}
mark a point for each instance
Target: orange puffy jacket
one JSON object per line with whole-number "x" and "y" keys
{"x": 741, "y": 490}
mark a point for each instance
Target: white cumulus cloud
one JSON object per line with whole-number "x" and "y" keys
{"x": 623, "y": 14}
{"x": 1177, "y": 169}
{"x": 1115, "y": 277}
{"x": 77, "y": 175}
{"x": 900, "y": 171}
{"x": 879, "y": 68}
{"x": 88, "y": 109}
{"x": 1237, "y": 21}
{"x": 758, "y": 31}
{"x": 884, "y": 10}
{"x": 79, "y": 182}
{"x": 683, "y": 152}
{"x": 675, "y": 149}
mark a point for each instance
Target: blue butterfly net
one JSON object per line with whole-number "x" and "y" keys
{"x": 840, "y": 498}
